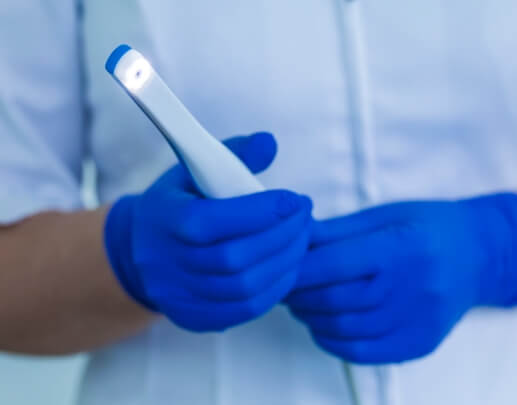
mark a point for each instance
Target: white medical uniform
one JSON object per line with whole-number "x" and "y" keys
{"x": 370, "y": 101}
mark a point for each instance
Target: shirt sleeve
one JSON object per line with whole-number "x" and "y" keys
{"x": 41, "y": 109}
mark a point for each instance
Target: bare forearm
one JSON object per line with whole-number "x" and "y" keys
{"x": 57, "y": 291}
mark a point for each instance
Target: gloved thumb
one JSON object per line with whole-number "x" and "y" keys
{"x": 257, "y": 151}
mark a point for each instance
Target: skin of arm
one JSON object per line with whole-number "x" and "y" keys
{"x": 58, "y": 294}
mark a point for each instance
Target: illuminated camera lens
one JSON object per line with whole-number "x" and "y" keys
{"x": 137, "y": 74}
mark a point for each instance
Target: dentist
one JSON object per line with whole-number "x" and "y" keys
{"x": 380, "y": 269}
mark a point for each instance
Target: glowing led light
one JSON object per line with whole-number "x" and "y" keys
{"x": 137, "y": 74}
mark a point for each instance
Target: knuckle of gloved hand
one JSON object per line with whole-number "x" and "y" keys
{"x": 191, "y": 226}
{"x": 342, "y": 326}
{"x": 286, "y": 203}
{"x": 339, "y": 327}
{"x": 355, "y": 352}
{"x": 246, "y": 286}
{"x": 230, "y": 258}
{"x": 253, "y": 308}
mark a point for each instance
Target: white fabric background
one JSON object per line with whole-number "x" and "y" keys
{"x": 28, "y": 381}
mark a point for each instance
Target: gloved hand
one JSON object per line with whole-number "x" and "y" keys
{"x": 209, "y": 264}
{"x": 389, "y": 283}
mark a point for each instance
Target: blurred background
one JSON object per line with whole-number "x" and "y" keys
{"x": 45, "y": 381}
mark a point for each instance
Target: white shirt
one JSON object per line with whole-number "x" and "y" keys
{"x": 370, "y": 102}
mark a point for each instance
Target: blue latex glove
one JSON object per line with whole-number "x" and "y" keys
{"x": 389, "y": 283}
{"x": 209, "y": 264}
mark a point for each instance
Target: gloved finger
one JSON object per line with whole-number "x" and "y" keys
{"x": 391, "y": 348}
{"x": 204, "y": 222}
{"x": 217, "y": 316}
{"x": 373, "y": 323}
{"x": 347, "y": 260}
{"x": 366, "y": 221}
{"x": 250, "y": 282}
{"x": 236, "y": 255}
{"x": 358, "y": 295}
{"x": 256, "y": 151}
